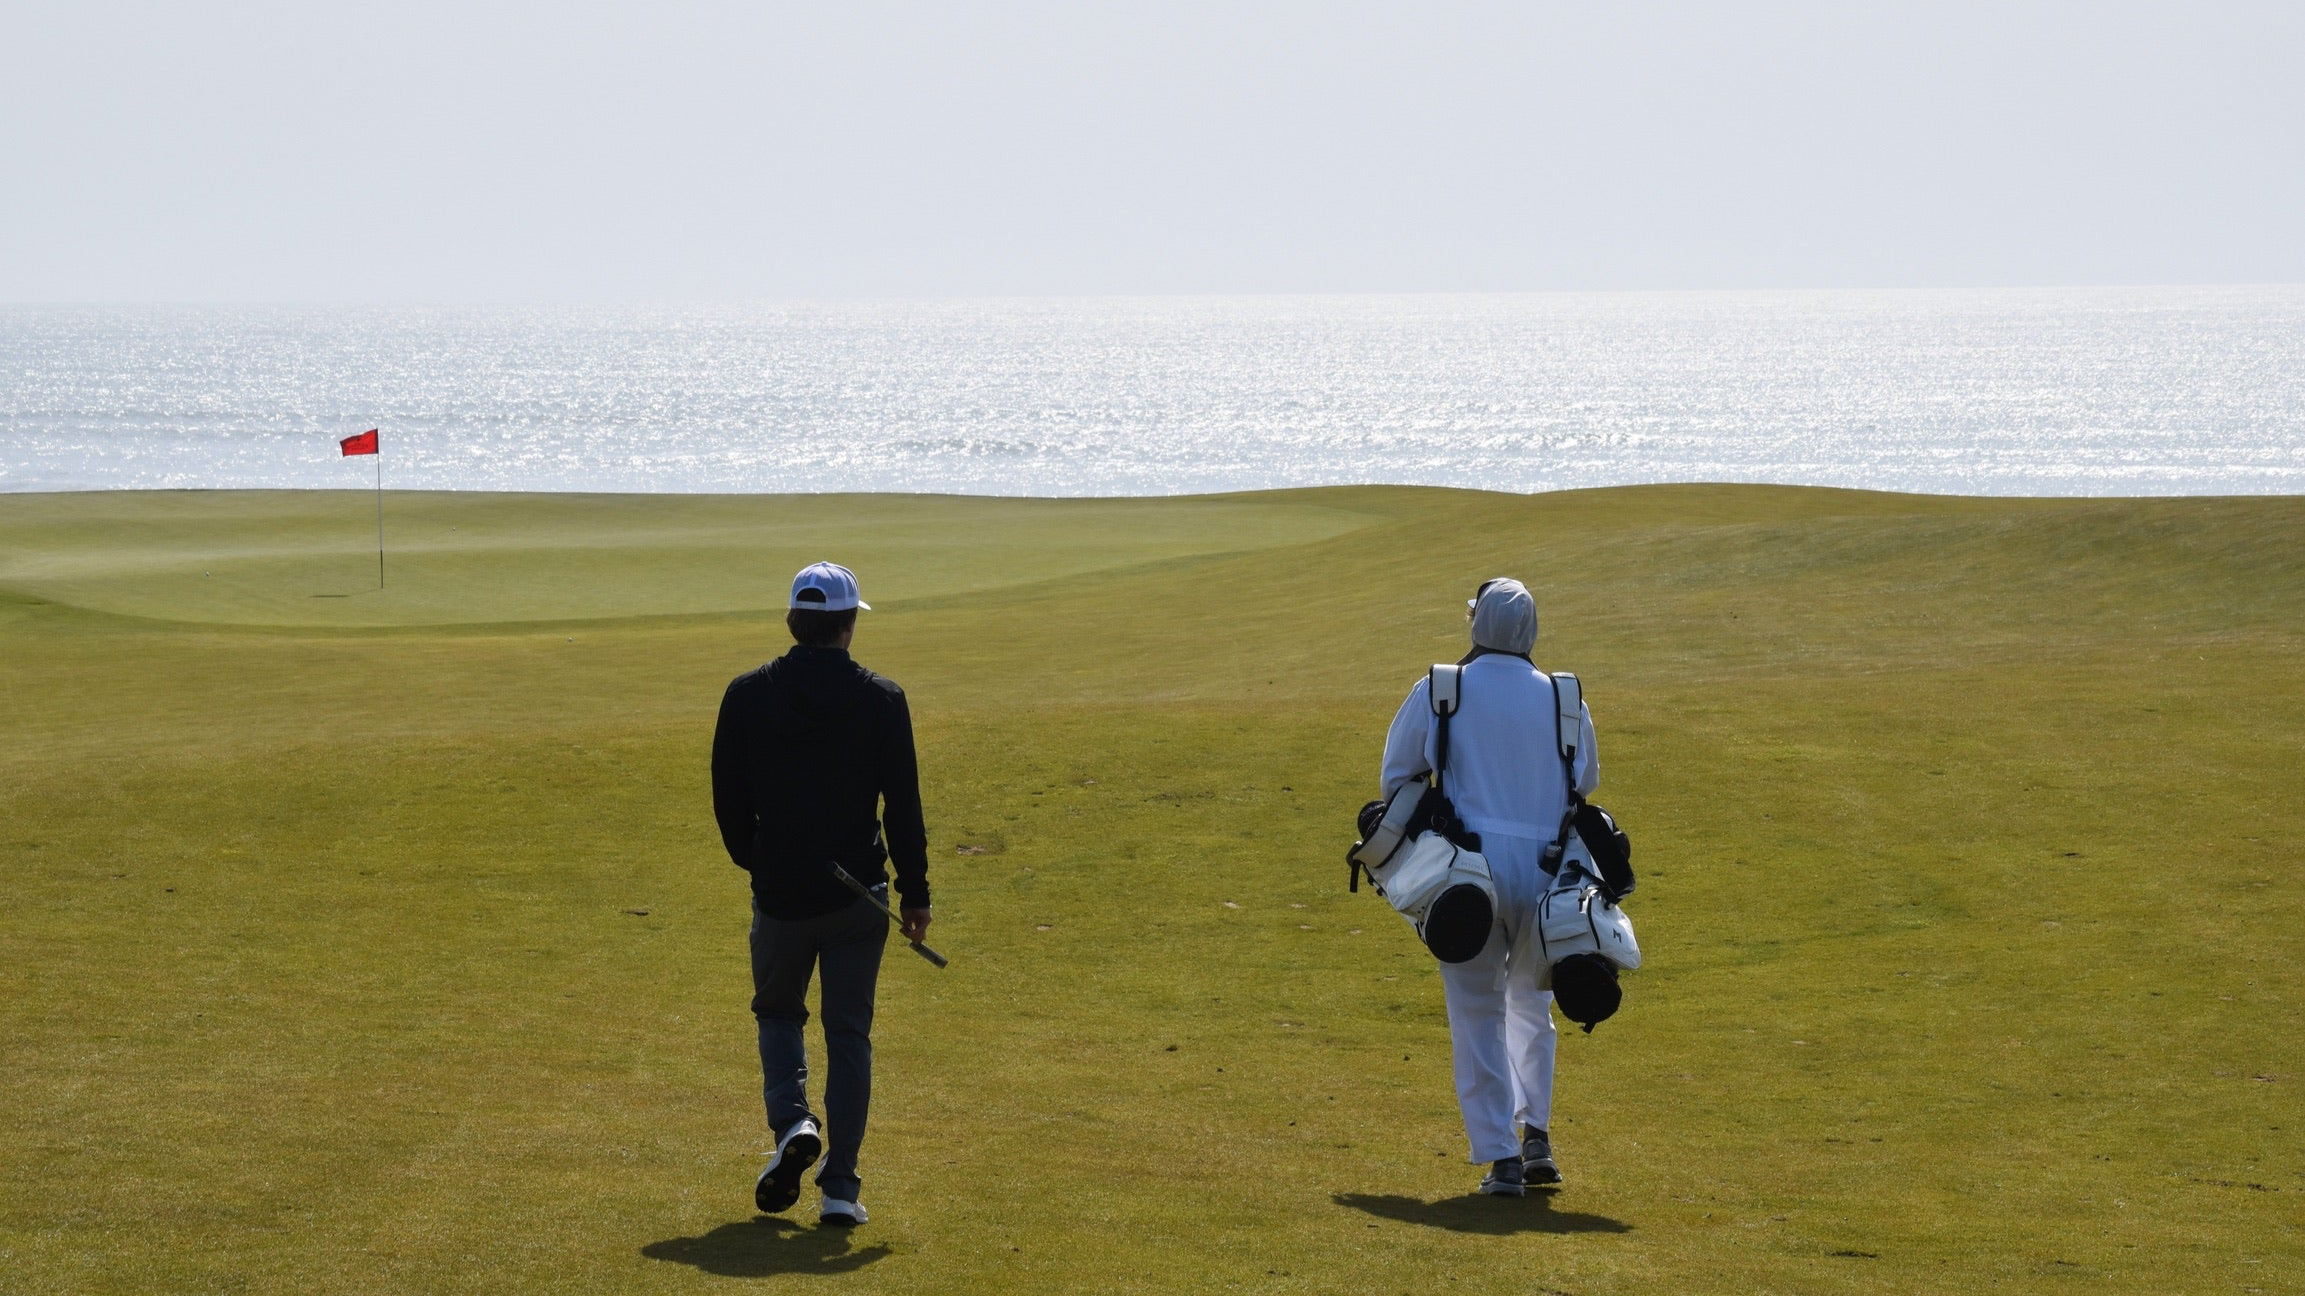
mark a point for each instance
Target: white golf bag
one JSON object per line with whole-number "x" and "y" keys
{"x": 1581, "y": 919}
{"x": 1582, "y": 913}
{"x": 1412, "y": 856}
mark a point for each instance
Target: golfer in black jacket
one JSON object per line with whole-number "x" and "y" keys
{"x": 812, "y": 766}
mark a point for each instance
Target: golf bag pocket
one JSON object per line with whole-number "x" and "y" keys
{"x": 1581, "y": 919}
{"x": 1443, "y": 891}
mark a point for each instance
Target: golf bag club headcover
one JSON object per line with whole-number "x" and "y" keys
{"x": 1585, "y": 989}
{"x": 1371, "y": 815}
{"x": 1611, "y": 850}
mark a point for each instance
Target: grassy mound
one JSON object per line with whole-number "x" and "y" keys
{"x": 383, "y": 941}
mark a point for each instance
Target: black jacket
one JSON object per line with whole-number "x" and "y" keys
{"x": 807, "y": 749}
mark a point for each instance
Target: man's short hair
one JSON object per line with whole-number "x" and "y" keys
{"x": 818, "y": 629}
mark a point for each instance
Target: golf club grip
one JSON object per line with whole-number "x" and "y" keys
{"x": 929, "y": 954}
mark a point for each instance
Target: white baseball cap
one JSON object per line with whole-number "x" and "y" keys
{"x": 826, "y": 587}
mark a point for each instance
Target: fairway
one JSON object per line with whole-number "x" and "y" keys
{"x": 382, "y": 940}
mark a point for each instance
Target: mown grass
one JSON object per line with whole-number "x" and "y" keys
{"x": 1970, "y": 891}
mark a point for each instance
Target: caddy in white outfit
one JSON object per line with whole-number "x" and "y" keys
{"x": 1507, "y": 782}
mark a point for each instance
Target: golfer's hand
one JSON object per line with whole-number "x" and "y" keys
{"x": 914, "y": 924}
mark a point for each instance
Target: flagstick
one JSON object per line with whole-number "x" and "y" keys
{"x": 380, "y": 517}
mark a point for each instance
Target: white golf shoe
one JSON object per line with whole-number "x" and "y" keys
{"x": 796, "y": 1150}
{"x": 841, "y": 1214}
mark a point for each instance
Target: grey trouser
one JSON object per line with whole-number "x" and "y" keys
{"x": 848, "y": 943}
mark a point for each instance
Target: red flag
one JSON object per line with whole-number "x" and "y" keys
{"x": 365, "y": 443}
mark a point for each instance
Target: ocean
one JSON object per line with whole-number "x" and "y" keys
{"x": 2111, "y": 391}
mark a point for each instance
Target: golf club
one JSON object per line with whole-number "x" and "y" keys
{"x": 882, "y": 905}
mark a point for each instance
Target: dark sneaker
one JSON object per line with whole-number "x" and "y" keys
{"x": 1537, "y": 1159}
{"x": 1503, "y": 1179}
{"x": 796, "y": 1150}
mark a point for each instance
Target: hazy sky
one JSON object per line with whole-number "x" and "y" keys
{"x": 586, "y": 151}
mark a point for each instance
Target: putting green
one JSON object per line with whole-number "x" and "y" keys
{"x": 358, "y": 944}
{"x": 289, "y": 558}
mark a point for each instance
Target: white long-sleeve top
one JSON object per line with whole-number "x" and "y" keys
{"x": 1504, "y": 775}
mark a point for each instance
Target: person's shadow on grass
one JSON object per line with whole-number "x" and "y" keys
{"x": 1473, "y": 1213}
{"x": 765, "y": 1246}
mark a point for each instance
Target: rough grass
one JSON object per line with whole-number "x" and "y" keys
{"x": 1968, "y": 829}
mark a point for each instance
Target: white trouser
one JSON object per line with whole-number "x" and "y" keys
{"x": 1500, "y": 1024}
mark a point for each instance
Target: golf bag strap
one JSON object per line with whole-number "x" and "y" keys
{"x": 1568, "y": 727}
{"x": 1444, "y": 688}
{"x": 1568, "y": 717}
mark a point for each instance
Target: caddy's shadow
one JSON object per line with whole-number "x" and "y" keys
{"x": 765, "y": 1246}
{"x": 1473, "y": 1213}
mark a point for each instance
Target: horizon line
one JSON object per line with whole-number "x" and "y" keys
{"x": 454, "y": 303}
